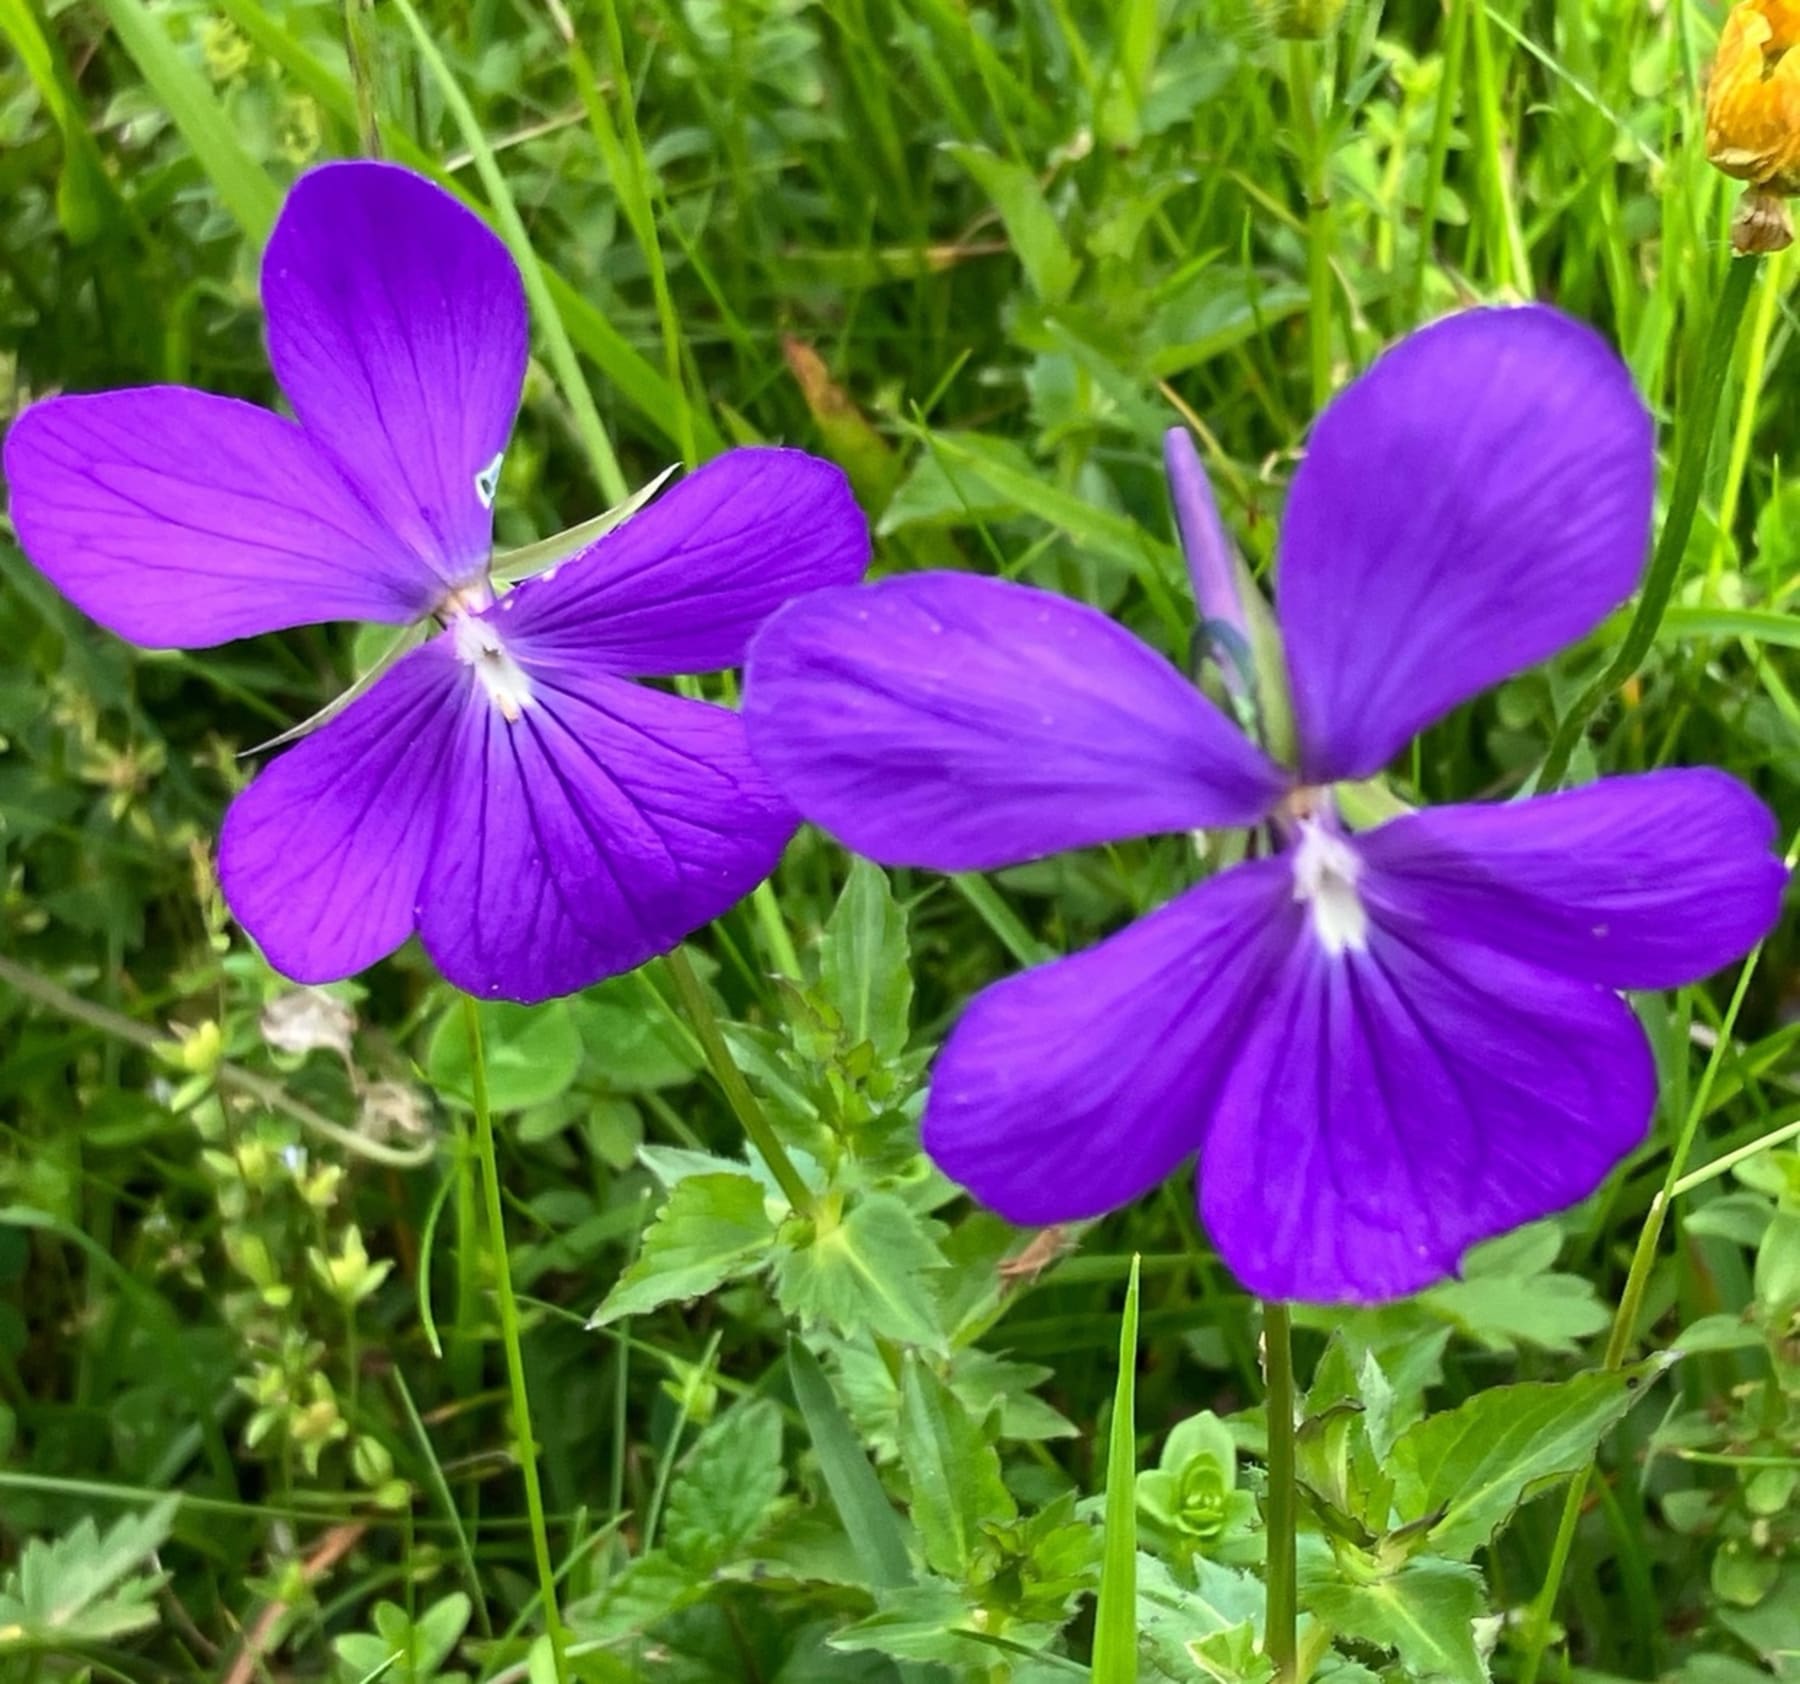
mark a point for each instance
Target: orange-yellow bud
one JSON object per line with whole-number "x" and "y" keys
{"x": 1753, "y": 96}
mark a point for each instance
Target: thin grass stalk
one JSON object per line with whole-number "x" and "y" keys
{"x": 524, "y": 1441}
{"x": 1699, "y": 425}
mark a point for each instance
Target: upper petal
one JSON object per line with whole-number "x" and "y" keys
{"x": 1480, "y": 498}
{"x": 683, "y": 585}
{"x": 1069, "y": 1089}
{"x": 397, "y": 327}
{"x": 1396, "y": 1104}
{"x": 178, "y": 519}
{"x": 598, "y": 828}
{"x": 1636, "y": 882}
{"x": 957, "y": 722}
{"x": 321, "y": 858}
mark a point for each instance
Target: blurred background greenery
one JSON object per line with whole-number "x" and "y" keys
{"x": 982, "y": 255}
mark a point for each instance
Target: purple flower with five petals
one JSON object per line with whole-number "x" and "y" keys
{"x": 506, "y": 790}
{"x": 1380, "y": 1046}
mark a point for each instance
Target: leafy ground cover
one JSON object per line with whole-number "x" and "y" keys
{"x": 254, "y": 1417}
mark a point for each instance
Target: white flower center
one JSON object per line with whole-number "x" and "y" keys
{"x": 1325, "y": 872}
{"x": 479, "y": 646}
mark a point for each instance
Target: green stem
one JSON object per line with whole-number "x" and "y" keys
{"x": 1700, "y": 422}
{"x": 1281, "y": 1573}
{"x": 731, "y": 1079}
{"x": 1456, "y": 32}
{"x": 1301, "y": 76}
{"x": 1756, "y": 356}
{"x": 524, "y": 1442}
{"x": 1618, "y": 1344}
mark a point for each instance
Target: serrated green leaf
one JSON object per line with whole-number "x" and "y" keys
{"x": 725, "y": 1490}
{"x": 1425, "y": 1613}
{"x": 87, "y": 1586}
{"x": 1031, "y": 225}
{"x": 864, "y": 967}
{"x": 1478, "y": 1462}
{"x": 713, "y": 1228}
{"x": 953, "y": 1469}
{"x": 868, "y": 1272}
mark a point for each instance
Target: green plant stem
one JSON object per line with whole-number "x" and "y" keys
{"x": 1302, "y": 73}
{"x": 1618, "y": 1344}
{"x": 1699, "y": 423}
{"x": 731, "y": 1079}
{"x": 1281, "y": 1572}
{"x": 1456, "y": 33}
{"x": 1743, "y": 432}
{"x": 524, "y": 1441}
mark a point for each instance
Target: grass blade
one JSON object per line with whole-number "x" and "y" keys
{"x": 1115, "y": 1621}
{"x": 862, "y": 1505}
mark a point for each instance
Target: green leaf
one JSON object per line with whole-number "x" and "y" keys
{"x": 1510, "y": 1294}
{"x": 864, "y": 968}
{"x": 533, "y": 1054}
{"x": 86, "y": 1586}
{"x": 1478, "y": 1462}
{"x": 954, "y": 1471}
{"x": 867, "y": 1272}
{"x": 632, "y": 1049}
{"x": 240, "y": 181}
{"x": 1425, "y": 1613}
{"x": 725, "y": 1491}
{"x": 862, "y": 1505}
{"x": 712, "y": 1229}
{"x": 1031, "y": 225}
{"x": 1115, "y": 1620}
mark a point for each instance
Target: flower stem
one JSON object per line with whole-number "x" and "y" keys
{"x": 1301, "y": 76}
{"x": 1699, "y": 423}
{"x": 524, "y": 1442}
{"x": 1437, "y": 154}
{"x": 1618, "y": 1344}
{"x": 731, "y": 1079}
{"x": 1280, "y": 1641}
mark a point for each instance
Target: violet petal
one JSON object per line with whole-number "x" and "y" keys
{"x": 683, "y": 585}
{"x": 397, "y": 328}
{"x": 957, "y": 722}
{"x": 599, "y": 828}
{"x": 1070, "y": 1089}
{"x": 1394, "y": 1105}
{"x": 1650, "y": 881}
{"x": 1477, "y": 500}
{"x": 179, "y": 519}
{"x": 321, "y": 858}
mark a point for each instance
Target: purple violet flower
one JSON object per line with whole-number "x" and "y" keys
{"x": 1383, "y": 1047}
{"x": 506, "y": 790}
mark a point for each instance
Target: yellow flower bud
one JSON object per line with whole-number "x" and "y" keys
{"x": 1753, "y": 96}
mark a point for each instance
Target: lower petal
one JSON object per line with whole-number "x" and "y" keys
{"x": 1396, "y": 1105}
{"x": 598, "y": 828}
{"x": 321, "y": 858}
{"x": 1070, "y": 1089}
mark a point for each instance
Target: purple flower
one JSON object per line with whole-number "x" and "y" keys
{"x": 1382, "y": 1046}
{"x": 505, "y": 790}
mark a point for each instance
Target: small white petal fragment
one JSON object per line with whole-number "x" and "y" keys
{"x": 1325, "y": 872}
{"x": 478, "y": 645}
{"x": 487, "y": 482}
